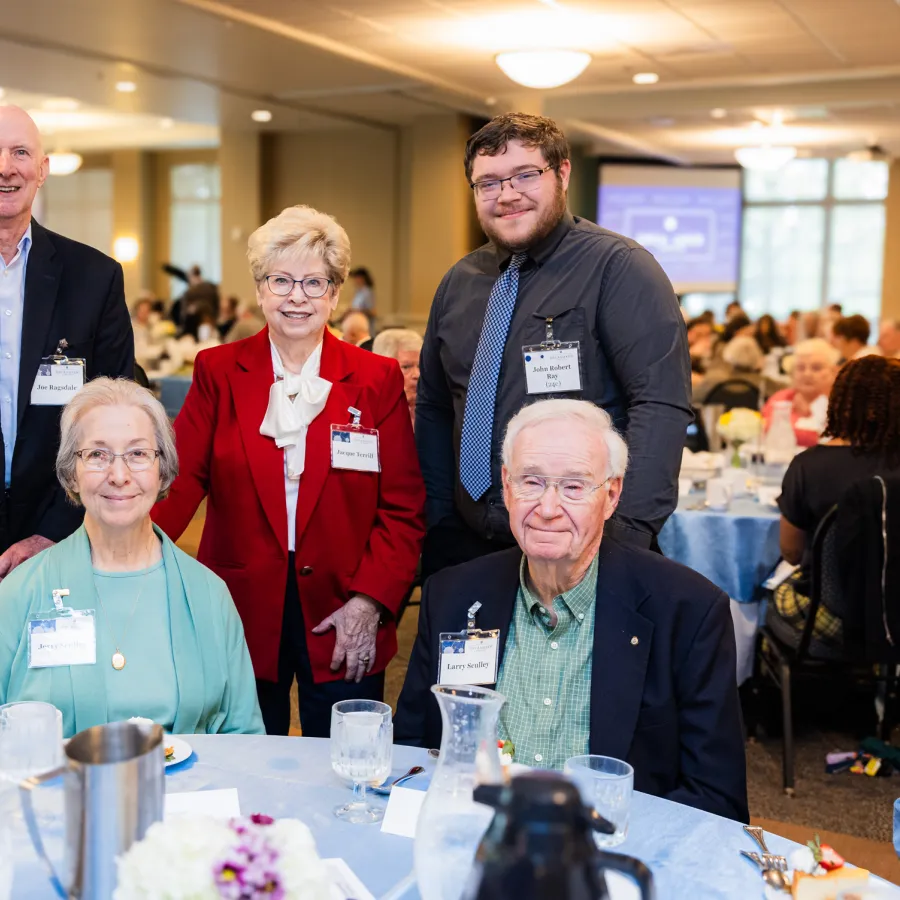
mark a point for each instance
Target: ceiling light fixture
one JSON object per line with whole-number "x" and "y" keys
{"x": 645, "y": 78}
{"x": 766, "y": 158}
{"x": 261, "y": 115}
{"x": 126, "y": 249}
{"x": 543, "y": 68}
{"x": 64, "y": 163}
{"x": 126, "y": 87}
{"x": 718, "y": 113}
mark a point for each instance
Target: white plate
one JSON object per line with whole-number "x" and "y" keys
{"x": 182, "y": 749}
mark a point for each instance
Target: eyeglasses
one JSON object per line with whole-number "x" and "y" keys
{"x": 314, "y": 287}
{"x": 138, "y": 460}
{"x": 571, "y": 489}
{"x": 521, "y": 183}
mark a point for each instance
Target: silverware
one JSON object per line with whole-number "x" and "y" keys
{"x": 434, "y": 754}
{"x": 774, "y": 877}
{"x": 774, "y": 861}
{"x": 385, "y": 789}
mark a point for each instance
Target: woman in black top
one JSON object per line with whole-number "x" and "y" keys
{"x": 861, "y": 440}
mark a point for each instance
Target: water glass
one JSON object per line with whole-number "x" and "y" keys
{"x": 30, "y": 739}
{"x": 362, "y": 741}
{"x": 606, "y": 784}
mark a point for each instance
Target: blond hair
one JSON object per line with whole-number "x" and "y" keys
{"x": 297, "y": 231}
{"x": 392, "y": 341}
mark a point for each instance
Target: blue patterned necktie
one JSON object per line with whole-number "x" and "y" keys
{"x": 478, "y": 419}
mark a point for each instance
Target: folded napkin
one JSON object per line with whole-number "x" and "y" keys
{"x": 294, "y": 401}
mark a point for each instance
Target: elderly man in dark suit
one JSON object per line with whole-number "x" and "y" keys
{"x": 604, "y": 647}
{"x": 54, "y": 293}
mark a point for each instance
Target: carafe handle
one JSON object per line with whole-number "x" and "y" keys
{"x": 630, "y": 866}
{"x": 25, "y": 789}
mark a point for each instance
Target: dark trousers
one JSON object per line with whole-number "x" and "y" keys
{"x": 315, "y": 700}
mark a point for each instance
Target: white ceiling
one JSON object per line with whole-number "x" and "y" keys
{"x": 829, "y": 68}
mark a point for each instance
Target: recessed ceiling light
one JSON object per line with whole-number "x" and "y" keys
{"x": 718, "y": 113}
{"x": 261, "y": 115}
{"x": 645, "y": 78}
{"x": 166, "y": 122}
{"x": 64, "y": 163}
{"x": 60, "y": 104}
{"x": 766, "y": 158}
{"x": 126, "y": 87}
{"x": 543, "y": 68}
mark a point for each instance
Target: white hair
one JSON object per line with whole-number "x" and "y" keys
{"x": 582, "y": 411}
{"x": 743, "y": 353}
{"x": 392, "y": 341}
{"x": 296, "y": 231}
{"x": 818, "y": 347}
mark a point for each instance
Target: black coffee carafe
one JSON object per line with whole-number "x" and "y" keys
{"x": 540, "y": 846}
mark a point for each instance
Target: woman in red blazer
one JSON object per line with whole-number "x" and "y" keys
{"x": 317, "y": 558}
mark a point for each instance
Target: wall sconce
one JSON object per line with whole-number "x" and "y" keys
{"x": 126, "y": 249}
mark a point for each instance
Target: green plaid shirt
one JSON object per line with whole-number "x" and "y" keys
{"x": 546, "y": 675}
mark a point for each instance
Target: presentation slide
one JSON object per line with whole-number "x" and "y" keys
{"x": 689, "y": 219}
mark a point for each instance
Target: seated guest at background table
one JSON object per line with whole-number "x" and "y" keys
{"x": 317, "y": 545}
{"x": 862, "y": 439}
{"x": 733, "y": 309}
{"x": 737, "y": 326}
{"x": 809, "y": 328}
{"x": 700, "y": 339}
{"x": 164, "y": 640}
{"x": 850, "y": 337}
{"x": 889, "y": 338}
{"x": 767, "y": 334}
{"x": 741, "y": 358}
{"x": 605, "y": 648}
{"x": 355, "y": 329}
{"x": 813, "y": 367}
{"x": 404, "y": 346}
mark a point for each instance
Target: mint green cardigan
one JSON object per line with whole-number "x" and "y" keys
{"x": 213, "y": 672}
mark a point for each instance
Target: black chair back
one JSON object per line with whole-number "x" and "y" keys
{"x": 734, "y": 393}
{"x": 825, "y": 581}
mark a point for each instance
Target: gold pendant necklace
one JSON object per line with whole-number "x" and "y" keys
{"x": 118, "y": 658}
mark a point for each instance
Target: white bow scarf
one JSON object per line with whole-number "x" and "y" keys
{"x": 294, "y": 401}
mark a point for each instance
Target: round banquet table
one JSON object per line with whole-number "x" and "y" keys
{"x": 692, "y": 854}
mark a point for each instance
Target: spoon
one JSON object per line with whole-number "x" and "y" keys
{"x": 772, "y": 877}
{"x": 385, "y": 789}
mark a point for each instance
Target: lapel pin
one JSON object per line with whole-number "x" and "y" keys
{"x": 634, "y": 641}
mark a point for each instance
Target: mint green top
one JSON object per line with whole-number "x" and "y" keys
{"x": 187, "y": 664}
{"x": 147, "y": 685}
{"x": 546, "y": 674}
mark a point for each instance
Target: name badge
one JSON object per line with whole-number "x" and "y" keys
{"x": 355, "y": 448}
{"x": 552, "y": 369}
{"x": 469, "y": 657}
{"x": 57, "y": 382}
{"x": 62, "y": 639}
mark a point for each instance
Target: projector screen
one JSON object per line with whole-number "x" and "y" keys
{"x": 689, "y": 219}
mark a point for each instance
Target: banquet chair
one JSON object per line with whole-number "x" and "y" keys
{"x": 733, "y": 393}
{"x": 783, "y": 659}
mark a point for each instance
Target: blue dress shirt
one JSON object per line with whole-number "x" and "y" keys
{"x": 12, "y": 305}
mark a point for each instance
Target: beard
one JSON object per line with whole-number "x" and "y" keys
{"x": 547, "y": 220}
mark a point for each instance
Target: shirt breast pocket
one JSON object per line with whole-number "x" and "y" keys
{"x": 564, "y": 317}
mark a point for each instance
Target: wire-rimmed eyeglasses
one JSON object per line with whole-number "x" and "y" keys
{"x": 313, "y": 287}
{"x": 572, "y": 489}
{"x": 521, "y": 182}
{"x": 96, "y": 459}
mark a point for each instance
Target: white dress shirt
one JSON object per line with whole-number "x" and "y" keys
{"x": 12, "y": 305}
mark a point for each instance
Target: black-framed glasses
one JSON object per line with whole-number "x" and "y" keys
{"x": 573, "y": 489}
{"x": 313, "y": 287}
{"x": 96, "y": 459}
{"x": 522, "y": 182}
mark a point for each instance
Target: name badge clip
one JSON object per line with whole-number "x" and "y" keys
{"x": 355, "y": 415}
{"x": 470, "y": 617}
{"x": 58, "y": 594}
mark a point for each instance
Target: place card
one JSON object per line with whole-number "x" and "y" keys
{"x": 221, "y": 804}
{"x": 344, "y": 883}
{"x": 402, "y": 813}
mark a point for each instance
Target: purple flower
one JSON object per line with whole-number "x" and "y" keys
{"x": 249, "y": 871}
{"x": 261, "y": 819}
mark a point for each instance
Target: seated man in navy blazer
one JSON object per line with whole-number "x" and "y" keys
{"x": 604, "y": 648}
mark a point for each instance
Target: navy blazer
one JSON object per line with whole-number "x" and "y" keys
{"x": 663, "y": 687}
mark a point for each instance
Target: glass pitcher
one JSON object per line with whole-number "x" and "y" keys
{"x": 451, "y": 823}
{"x": 781, "y": 442}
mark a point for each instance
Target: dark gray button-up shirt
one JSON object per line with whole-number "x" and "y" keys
{"x": 608, "y": 293}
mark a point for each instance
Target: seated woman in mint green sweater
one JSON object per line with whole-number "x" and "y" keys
{"x": 115, "y": 621}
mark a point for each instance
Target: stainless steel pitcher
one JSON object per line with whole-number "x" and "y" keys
{"x": 114, "y": 791}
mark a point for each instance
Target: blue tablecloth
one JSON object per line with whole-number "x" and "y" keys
{"x": 692, "y": 854}
{"x": 735, "y": 550}
{"x": 172, "y": 391}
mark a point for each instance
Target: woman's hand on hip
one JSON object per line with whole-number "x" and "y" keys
{"x": 355, "y": 625}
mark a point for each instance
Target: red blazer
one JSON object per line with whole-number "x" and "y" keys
{"x": 357, "y": 532}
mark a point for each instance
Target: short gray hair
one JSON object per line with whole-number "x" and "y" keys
{"x": 743, "y": 353}
{"x": 818, "y": 347}
{"x": 393, "y": 341}
{"x": 296, "y": 231}
{"x": 114, "y": 392}
{"x": 583, "y": 411}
